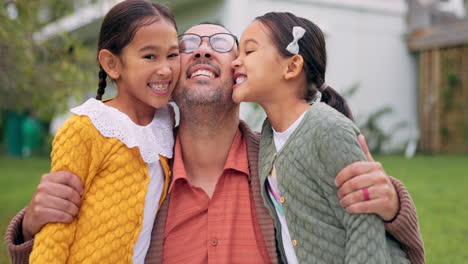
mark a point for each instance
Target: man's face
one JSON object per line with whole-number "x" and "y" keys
{"x": 206, "y": 75}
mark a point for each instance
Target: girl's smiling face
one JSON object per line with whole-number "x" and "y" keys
{"x": 258, "y": 68}
{"x": 149, "y": 65}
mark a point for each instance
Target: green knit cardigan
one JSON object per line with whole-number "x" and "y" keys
{"x": 323, "y": 232}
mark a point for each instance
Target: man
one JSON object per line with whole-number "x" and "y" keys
{"x": 214, "y": 212}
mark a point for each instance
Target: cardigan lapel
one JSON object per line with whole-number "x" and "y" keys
{"x": 155, "y": 250}
{"x": 264, "y": 218}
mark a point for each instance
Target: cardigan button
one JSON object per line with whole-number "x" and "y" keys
{"x": 294, "y": 242}
{"x": 273, "y": 172}
{"x": 282, "y": 200}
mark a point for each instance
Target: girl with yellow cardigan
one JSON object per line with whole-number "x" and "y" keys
{"x": 119, "y": 148}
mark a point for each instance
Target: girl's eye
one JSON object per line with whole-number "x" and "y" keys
{"x": 173, "y": 55}
{"x": 150, "y": 57}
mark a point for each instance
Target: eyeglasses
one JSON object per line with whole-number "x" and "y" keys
{"x": 220, "y": 42}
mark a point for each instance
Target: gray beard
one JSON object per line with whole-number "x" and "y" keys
{"x": 191, "y": 98}
{"x": 204, "y": 108}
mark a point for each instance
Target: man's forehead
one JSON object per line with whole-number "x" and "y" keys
{"x": 207, "y": 29}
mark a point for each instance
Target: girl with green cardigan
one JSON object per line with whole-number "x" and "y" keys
{"x": 308, "y": 138}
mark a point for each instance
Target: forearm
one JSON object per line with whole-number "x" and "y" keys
{"x": 405, "y": 226}
{"x": 18, "y": 249}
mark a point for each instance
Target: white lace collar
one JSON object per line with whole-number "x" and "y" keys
{"x": 152, "y": 139}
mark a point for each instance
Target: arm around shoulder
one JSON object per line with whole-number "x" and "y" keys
{"x": 365, "y": 240}
{"x": 18, "y": 250}
{"x": 76, "y": 149}
{"x": 405, "y": 227}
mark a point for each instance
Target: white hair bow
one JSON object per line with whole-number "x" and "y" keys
{"x": 297, "y": 32}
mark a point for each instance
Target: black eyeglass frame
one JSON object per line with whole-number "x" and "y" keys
{"x": 236, "y": 41}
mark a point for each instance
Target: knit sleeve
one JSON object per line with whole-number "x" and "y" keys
{"x": 365, "y": 240}
{"x": 405, "y": 226}
{"x": 18, "y": 249}
{"x": 72, "y": 150}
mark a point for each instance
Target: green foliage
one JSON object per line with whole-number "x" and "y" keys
{"x": 348, "y": 93}
{"x": 371, "y": 125}
{"x": 453, "y": 83}
{"x": 376, "y": 136}
{"x": 40, "y": 76}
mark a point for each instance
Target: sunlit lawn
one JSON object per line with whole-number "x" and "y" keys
{"x": 438, "y": 185}
{"x": 18, "y": 179}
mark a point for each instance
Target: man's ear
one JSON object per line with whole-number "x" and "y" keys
{"x": 110, "y": 63}
{"x": 295, "y": 65}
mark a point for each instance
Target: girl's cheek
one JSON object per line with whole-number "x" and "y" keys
{"x": 176, "y": 70}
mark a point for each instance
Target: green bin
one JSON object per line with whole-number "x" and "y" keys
{"x": 13, "y": 134}
{"x": 32, "y": 133}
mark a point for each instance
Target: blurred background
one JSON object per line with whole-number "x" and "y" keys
{"x": 403, "y": 66}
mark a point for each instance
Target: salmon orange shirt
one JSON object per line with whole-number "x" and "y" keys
{"x": 223, "y": 229}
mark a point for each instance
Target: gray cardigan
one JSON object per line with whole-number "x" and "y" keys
{"x": 322, "y": 231}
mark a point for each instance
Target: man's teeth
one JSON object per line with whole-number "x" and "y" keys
{"x": 203, "y": 72}
{"x": 158, "y": 87}
{"x": 241, "y": 79}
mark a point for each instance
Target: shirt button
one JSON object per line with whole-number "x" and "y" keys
{"x": 214, "y": 242}
{"x": 294, "y": 242}
{"x": 282, "y": 200}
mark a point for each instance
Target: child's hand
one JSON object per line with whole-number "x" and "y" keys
{"x": 382, "y": 198}
{"x": 57, "y": 199}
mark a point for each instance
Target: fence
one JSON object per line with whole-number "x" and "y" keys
{"x": 443, "y": 87}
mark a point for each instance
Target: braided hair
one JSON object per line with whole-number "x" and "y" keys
{"x": 102, "y": 83}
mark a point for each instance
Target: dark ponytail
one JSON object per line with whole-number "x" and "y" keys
{"x": 313, "y": 51}
{"x": 335, "y": 100}
{"x": 120, "y": 25}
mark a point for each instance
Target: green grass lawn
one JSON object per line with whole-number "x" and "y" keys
{"x": 436, "y": 183}
{"x": 18, "y": 180}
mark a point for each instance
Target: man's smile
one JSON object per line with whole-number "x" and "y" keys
{"x": 203, "y": 70}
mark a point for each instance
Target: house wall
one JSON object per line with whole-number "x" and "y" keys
{"x": 365, "y": 44}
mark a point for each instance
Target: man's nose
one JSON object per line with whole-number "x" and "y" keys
{"x": 204, "y": 50}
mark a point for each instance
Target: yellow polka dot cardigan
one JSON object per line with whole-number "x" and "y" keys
{"x": 115, "y": 180}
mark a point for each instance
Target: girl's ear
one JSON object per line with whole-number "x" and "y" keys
{"x": 110, "y": 63}
{"x": 295, "y": 65}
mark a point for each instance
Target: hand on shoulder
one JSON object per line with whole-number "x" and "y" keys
{"x": 379, "y": 197}
{"x": 56, "y": 199}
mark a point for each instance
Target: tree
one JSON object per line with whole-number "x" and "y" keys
{"x": 40, "y": 76}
